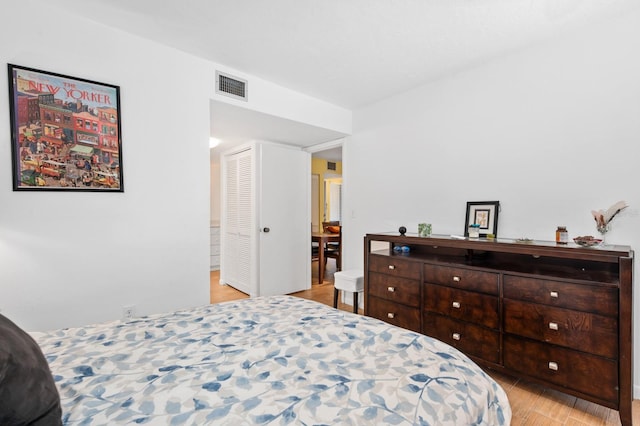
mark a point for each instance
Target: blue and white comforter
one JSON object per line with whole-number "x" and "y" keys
{"x": 278, "y": 360}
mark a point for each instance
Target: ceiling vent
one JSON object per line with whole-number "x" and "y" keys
{"x": 331, "y": 165}
{"x": 231, "y": 86}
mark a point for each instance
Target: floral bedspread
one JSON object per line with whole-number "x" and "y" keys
{"x": 277, "y": 360}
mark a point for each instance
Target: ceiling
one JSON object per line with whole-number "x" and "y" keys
{"x": 350, "y": 53}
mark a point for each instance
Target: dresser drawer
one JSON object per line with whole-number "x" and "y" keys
{"x": 394, "y": 313}
{"x": 395, "y": 266}
{"x": 599, "y": 300}
{"x": 590, "y": 374}
{"x": 469, "y": 338}
{"x": 396, "y": 289}
{"x": 468, "y": 279}
{"x": 583, "y": 331}
{"x": 465, "y": 305}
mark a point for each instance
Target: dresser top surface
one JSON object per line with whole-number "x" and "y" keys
{"x": 546, "y": 248}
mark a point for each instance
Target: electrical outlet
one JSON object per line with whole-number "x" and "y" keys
{"x": 128, "y": 311}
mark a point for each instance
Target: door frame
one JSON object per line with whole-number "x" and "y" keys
{"x": 337, "y": 143}
{"x": 256, "y": 221}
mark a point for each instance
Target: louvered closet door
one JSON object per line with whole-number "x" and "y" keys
{"x": 238, "y": 215}
{"x": 246, "y": 222}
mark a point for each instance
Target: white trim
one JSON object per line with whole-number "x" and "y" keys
{"x": 325, "y": 145}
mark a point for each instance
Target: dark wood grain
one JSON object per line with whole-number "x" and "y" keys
{"x": 583, "y": 331}
{"x": 519, "y": 307}
{"x": 396, "y": 266}
{"x": 463, "y": 305}
{"x": 469, "y": 338}
{"x": 465, "y": 278}
{"x": 589, "y": 374}
{"x": 395, "y": 313}
{"x": 397, "y": 289}
{"x": 567, "y": 295}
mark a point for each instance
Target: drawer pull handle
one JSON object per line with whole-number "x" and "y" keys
{"x": 553, "y": 366}
{"x": 553, "y": 325}
{"x": 554, "y": 294}
{"x": 456, "y": 279}
{"x": 456, "y": 336}
{"x": 391, "y": 315}
{"x": 456, "y": 305}
{"x": 392, "y": 267}
{"x": 391, "y": 289}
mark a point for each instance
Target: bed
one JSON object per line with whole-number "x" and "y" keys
{"x": 274, "y": 360}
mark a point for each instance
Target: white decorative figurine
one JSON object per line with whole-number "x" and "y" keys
{"x": 603, "y": 218}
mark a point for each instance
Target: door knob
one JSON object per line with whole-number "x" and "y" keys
{"x": 266, "y": 230}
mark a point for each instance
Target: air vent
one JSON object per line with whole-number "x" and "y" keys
{"x": 331, "y": 165}
{"x": 231, "y": 86}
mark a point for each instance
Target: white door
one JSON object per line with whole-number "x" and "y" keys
{"x": 335, "y": 206}
{"x": 315, "y": 202}
{"x": 284, "y": 219}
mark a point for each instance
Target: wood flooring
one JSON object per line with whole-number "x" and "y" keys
{"x": 531, "y": 404}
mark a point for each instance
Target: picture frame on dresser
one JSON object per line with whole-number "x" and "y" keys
{"x": 483, "y": 213}
{"x": 65, "y": 132}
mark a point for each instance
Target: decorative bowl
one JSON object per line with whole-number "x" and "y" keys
{"x": 587, "y": 241}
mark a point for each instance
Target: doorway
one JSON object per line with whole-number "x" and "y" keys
{"x": 326, "y": 206}
{"x": 326, "y": 184}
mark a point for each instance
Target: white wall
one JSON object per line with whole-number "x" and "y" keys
{"x": 551, "y": 132}
{"x": 74, "y": 258}
{"x": 269, "y": 98}
{"x": 215, "y": 191}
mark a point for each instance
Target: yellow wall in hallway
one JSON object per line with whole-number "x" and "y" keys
{"x": 319, "y": 167}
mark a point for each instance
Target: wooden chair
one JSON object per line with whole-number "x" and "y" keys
{"x": 315, "y": 249}
{"x": 333, "y": 249}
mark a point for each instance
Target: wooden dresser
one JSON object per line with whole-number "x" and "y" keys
{"x": 558, "y": 315}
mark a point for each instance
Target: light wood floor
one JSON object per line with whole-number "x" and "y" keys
{"x": 531, "y": 404}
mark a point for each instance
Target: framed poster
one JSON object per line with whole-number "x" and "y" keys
{"x": 65, "y": 132}
{"x": 484, "y": 214}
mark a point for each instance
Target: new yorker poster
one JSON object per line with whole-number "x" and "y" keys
{"x": 65, "y": 132}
